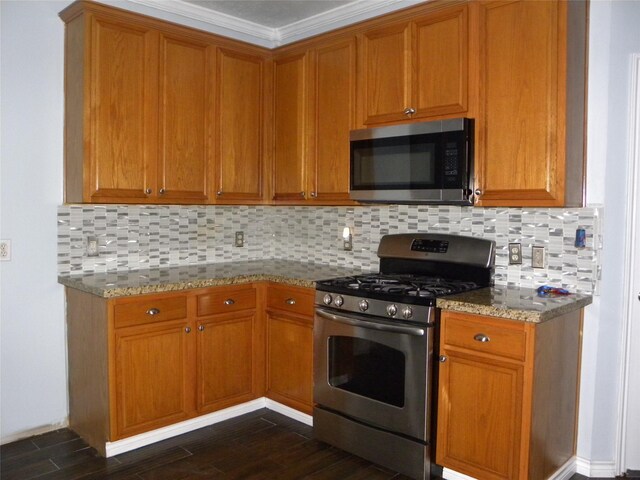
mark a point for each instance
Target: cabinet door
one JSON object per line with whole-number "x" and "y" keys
{"x": 332, "y": 117}
{"x": 290, "y": 360}
{"x": 479, "y": 416}
{"x": 226, "y": 362}
{"x": 441, "y": 63}
{"x": 185, "y": 120}
{"x": 521, "y": 127}
{"x": 118, "y": 123}
{"x": 290, "y": 114}
{"x": 385, "y": 66}
{"x": 153, "y": 377}
{"x": 240, "y": 126}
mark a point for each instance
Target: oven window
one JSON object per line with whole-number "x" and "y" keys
{"x": 367, "y": 368}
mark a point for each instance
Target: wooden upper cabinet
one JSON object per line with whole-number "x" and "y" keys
{"x": 332, "y": 116}
{"x": 239, "y": 137}
{"x": 385, "y": 74}
{"x": 529, "y": 131}
{"x": 290, "y": 112}
{"x": 441, "y": 59}
{"x": 185, "y": 120}
{"x": 314, "y": 111}
{"x": 414, "y": 70}
{"x": 110, "y": 86}
{"x": 158, "y": 113}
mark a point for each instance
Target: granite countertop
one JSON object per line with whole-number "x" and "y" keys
{"x": 513, "y": 303}
{"x": 166, "y": 279}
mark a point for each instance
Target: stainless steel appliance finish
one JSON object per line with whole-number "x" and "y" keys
{"x": 374, "y": 341}
{"x": 428, "y": 162}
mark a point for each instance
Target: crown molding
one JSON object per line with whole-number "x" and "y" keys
{"x": 261, "y": 35}
{"x": 231, "y": 26}
{"x": 339, "y": 17}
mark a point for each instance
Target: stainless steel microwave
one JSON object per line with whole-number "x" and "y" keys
{"x": 428, "y": 162}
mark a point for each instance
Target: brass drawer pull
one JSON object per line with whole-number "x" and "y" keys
{"x": 290, "y": 301}
{"x": 229, "y": 301}
{"x": 481, "y": 337}
{"x": 153, "y": 311}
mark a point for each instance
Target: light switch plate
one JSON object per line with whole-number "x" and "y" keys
{"x": 537, "y": 257}
{"x": 92, "y": 246}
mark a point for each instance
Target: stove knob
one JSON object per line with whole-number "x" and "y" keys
{"x": 327, "y": 299}
{"x": 363, "y": 305}
{"x": 407, "y": 313}
{"x": 392, "y": 310}
{"x": 338, "y": 301}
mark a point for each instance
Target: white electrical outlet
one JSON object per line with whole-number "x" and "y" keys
{"x": 5, "y": 250}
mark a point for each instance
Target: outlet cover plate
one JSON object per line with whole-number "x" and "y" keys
{"x": 537, "y": 257}
{"x": 515, "y": 254}
{"x": 239, "y": 240}
{"x": 5, "y": 250}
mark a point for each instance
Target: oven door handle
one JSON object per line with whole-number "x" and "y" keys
{"x": 376, "y": 325}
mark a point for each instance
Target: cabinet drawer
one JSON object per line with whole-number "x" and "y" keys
{"x": 226, "y": 300}
{"x": 502, "y": 338}
{"x": 289, "y": 299}
{"x": 149, "y": 311}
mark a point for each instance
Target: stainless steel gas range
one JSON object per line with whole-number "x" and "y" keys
{"x": 374, "y": 342}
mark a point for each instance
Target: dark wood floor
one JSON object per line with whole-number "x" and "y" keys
{"x": 258, "y": 445}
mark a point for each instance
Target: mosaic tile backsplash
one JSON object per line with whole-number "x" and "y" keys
{"x": 136, "y": 237}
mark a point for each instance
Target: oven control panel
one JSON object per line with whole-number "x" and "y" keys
{"x": 429, "y": 246}
{"x": 375, "y": 308}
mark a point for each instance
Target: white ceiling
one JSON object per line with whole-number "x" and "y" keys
{"x": 269, "y": 23}
{"x": 271, "y": 13}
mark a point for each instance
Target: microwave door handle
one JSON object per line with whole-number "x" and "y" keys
{"x": 385, "y": 327}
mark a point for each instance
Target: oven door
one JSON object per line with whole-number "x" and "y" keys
{"x": 374, "y": 371}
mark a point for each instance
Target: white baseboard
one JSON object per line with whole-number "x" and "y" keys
{"x": 564, "y": 473}
{"x": 449, "y": 474}
{"x": 596, "y": 469}
{"x": 64, "y": 423}
{"x": 289, "y": 412}
{"x": 147, "y": 438}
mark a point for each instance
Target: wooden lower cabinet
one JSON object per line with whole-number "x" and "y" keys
{"x": 153, "y": 376}
{"x": 290, "y": 346}
{"x": 508, "y": 390}
{"x": 143, "y": 362}
{"x": 228, "y": 360}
